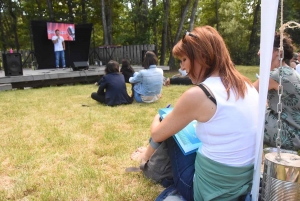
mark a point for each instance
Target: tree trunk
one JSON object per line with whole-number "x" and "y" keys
{"x": 155, "y": 29}
{"x": 217, "y": 14}
{"x": 14, "y": 25}
{"x": 105, "y": 32}
{"x": 145, "y": 13}
{"x": 108, "y": 9}
{"x": 83, "y": 12}
{"x": 172, "y": 60}
{"x": 4, "y": 46}
{"x": 70, "y": 9}
{"x": 193, "y": 15}
{"x": 50, "y": 8}
{"x": 254, "y": 39}
{"x": 164, "y": 32}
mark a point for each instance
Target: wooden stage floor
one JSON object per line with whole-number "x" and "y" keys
{"x": 48, "y": 77}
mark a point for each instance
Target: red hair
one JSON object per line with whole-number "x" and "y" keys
{"x": 207, "y": 47}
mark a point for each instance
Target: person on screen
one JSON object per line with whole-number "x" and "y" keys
{"x": 59, "y": 49}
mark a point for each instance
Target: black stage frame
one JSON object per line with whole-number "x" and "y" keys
{"x": 77, "y": 50}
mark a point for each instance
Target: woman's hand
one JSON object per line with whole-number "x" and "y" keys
{"x": 192, "y": 105}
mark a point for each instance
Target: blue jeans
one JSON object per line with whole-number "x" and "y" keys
{"x": 60, "y": 55}
{"x": 137, "y": 97}
{"x": 183, "y": 168}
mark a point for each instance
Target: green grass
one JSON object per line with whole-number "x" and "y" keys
{"x": 53, "y": 148}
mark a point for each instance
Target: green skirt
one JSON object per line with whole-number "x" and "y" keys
{"x": 216, "y": 181}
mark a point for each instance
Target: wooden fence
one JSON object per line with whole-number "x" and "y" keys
{"x": 133, "y": 53}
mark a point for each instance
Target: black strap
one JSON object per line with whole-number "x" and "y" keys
{"x": 207, "y": 93}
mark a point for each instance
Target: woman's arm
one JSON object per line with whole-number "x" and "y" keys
{"x": 272, "y": 84}
{"x": 137, "y": 77}
{"x": 102, "y": 86}
{"x": 192, "y": 105}
{"x": 256, "y": 85}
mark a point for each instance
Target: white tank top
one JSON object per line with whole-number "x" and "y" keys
{"x": 229, "y": 136}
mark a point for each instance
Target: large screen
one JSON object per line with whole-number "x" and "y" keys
{"x": 67, "y": 31}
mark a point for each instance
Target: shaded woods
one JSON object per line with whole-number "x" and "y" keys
{"x": 136, "y": 22}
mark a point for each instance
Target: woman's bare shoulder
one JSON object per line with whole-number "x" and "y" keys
{"x": 195, "y": 101}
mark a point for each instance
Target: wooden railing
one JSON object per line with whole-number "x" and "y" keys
{"x": 133, "y": 53}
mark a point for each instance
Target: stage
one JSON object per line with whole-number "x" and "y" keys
{"x": 48, "y": 77}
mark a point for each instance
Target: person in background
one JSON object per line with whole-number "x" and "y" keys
{"x": 126, "y": 70}
{"x": 59, "y": 49}
{"x": 112, "y": 88}
{"x": 181, "y": 78}
{"x": 290, "y": 116}
{"x": 148, "y": 82}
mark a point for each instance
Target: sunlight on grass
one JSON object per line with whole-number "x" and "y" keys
{"x": 53, "y": 148}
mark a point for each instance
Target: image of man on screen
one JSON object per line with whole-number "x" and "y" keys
{"x": 59, "y": 47}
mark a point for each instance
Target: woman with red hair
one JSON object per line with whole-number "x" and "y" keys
{"x": 225, "y": 105}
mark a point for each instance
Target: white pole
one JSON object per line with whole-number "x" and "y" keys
{"x": 268, "y": 22}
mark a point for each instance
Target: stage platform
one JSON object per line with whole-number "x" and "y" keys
{"x": 48, "y": 77}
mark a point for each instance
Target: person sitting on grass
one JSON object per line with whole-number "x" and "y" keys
{"x": 148, "y": 82}
{"x": 290, "y": 116}
{"x": 226, "y": 115}
{"x": 126, "y": 70}
{"x": 112, "y": 88}
{"x": 182, "y": 78}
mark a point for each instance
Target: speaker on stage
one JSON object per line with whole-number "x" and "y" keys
{"x": 12, "y": 64}
{"x": 80, "y": 65}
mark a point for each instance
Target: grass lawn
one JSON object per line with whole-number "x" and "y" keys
{"x": 59, "y": 144}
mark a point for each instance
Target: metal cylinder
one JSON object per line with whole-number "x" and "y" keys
{"x": 281, "y": 179}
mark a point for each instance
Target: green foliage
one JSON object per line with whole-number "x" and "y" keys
{"x": 134, "y": 22}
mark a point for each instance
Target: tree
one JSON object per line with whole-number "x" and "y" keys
{"x": 164, "y": 32}
{"x": 217, "y": 14}
{"x": 179, "y": 29}
{"x": 39, "y": 6}
{"x": 254, "y": 38}
{"x": 104, "y": 27}
{"x": 108, "y": 17}
{"x": 12, "y": 8}
{"x": 155, "y": 27}
{"x": 83, "y": 12}
{"x": 70, "y": 9}
{"x": 4, "y": 46}
{"x": 192, "y": 19}
{"x": 50, "y": 9}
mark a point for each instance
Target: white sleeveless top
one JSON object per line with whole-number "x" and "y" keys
{"x": 229, "y": 136}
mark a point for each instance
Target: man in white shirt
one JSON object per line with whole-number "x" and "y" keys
{"x": 59, "y": 47}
